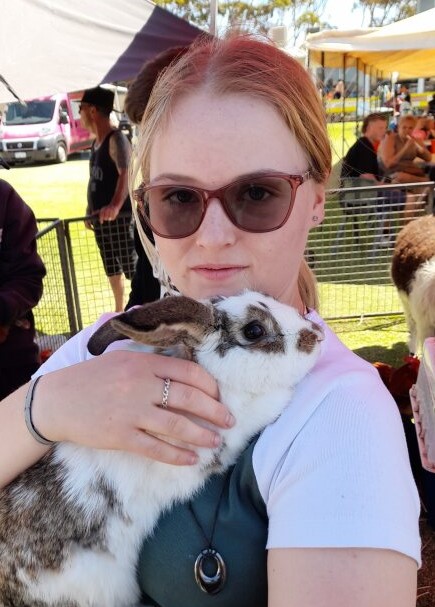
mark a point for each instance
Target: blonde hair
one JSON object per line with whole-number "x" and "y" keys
{"x": 245, "y": 65}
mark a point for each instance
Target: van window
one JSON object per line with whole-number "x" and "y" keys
{"x": 75, "y": 108}
{"x": 32, "y": 112}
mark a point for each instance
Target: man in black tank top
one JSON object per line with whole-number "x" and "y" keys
{"x": 108, "y": 198}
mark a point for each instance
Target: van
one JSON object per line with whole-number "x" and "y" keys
{"x": 43, "y": 129}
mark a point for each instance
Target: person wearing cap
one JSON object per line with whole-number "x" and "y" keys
{"x": 108, "y": 198}
{"x": 21, "y": 274}
{"x": 145, "y": 287}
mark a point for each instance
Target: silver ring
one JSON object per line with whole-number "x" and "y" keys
{"x": 165, "y": 395}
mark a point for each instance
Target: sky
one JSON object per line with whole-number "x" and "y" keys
{"x": 341, "y": 14}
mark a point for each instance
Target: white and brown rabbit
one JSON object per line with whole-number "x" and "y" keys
{"x": 71, "y": 526}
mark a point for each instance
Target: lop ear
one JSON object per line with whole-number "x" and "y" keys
{"x": 164, "y": 323}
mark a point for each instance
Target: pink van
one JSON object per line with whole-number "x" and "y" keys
{"x": 43, "y": 129}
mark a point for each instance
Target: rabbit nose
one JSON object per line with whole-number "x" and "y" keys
{"x": 307, "y": 339}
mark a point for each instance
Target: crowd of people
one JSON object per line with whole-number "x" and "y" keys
{"x": 228, "y": 177}
{"x": 402, "y": 156}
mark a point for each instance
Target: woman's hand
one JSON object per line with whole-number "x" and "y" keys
{"x": 114, "y": 402}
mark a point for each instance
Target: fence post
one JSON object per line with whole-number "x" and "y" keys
{"x": 66, "y": 275}
{"x": 429, "y": 207}
{"x": 73, "y": 275}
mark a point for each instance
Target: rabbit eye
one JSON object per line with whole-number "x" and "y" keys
{"x": 254, "y": 330}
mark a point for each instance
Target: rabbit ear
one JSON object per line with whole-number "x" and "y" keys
{"x": 103, "y": 336}
{"x": 164, "y": 323}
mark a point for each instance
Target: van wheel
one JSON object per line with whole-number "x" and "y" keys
{"x": 61, "y": 155}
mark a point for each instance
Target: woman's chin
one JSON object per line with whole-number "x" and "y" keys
{"x": 216, "y": 291}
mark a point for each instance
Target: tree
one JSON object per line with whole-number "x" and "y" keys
{"x": 382, "y": 12}
{"x": 252, "y": 15}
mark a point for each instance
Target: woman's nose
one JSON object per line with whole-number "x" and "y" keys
{"x": 216, "y": 228}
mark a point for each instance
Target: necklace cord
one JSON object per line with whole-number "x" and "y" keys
{"x": 218, "y": 505}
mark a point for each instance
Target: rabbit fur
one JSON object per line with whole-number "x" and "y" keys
{"x": 413, "y": 274}
{"x": 71, "y": 526}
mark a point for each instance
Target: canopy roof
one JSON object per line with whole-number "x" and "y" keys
{"x": 58, "y": 46}
{"x": 407, "y": 47}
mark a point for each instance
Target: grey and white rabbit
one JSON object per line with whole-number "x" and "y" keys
{"x": 71, "y": 526}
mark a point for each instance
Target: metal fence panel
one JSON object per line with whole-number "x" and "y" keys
{"x": 51, "y": 314}
{"x": 350, "y": 253}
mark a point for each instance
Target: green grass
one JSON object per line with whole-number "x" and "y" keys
{"x": 381, "y": 339}
{"x": 52, "y": 190}
{"x": 341, "y": 135}
{"x": 60, "y": 191}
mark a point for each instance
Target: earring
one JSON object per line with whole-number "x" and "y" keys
{"x": 315, "y": 218}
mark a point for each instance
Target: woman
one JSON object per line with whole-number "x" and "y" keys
{"x": 233, "y": 129}
{"x": 397, "y": 154}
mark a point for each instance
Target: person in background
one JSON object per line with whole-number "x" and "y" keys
{"x": 108, "y": 198}
{"x": 339, "y": 90}
{"x": 431, "y": 106}
{"x": 145, "y": 286}
{"x": 21, "y": 274}
{"x": 406, "y": 106}
{"x": 361, "y": 160}
{"x": 360, "y": 168}
{"x": 230, "y": 170}
{"x": 397, "y": 154}
{"x": 421, "y": 132}
{"x": 430, "y": 123}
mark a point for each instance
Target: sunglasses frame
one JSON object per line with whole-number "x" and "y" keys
{"x": 206, "y": 195}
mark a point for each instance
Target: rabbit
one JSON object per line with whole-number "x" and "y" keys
{"x": 413, "y": 274}
{"x": 71, "y": 526}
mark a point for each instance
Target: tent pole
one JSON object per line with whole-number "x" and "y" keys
{"x": 322, "y": 77}
{"x": 377, "y": 88}
{"x": 343, "y": 119}
{"x": 357, "y": 98}
{"x": 364, "y": 87}
{"x": 213, "y": 17}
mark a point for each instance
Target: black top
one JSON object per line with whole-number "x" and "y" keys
{"x": 233, "y": 516}
{"x": 21, "y": 274}
{"x": 361, "y": 158}
{"x": 103, "y": 177}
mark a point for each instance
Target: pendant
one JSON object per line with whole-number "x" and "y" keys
{"x": 213, "y": 581}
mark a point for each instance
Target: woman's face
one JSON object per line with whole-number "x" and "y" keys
{"x": 405, "y": 128}
{"x": 208, "y": 142}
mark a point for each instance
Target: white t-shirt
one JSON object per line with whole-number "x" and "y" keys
{"x": 333, "y": 470}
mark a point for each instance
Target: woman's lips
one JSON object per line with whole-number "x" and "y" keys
{"x": 213, "y": 272}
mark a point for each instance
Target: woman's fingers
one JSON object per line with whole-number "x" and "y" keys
{"x": 114, "y": 401}
{"x": 155, "y": 448}
{"x": 172, "y": 425}
{"x": 184, "y": 398}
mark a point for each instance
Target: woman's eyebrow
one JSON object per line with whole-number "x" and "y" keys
{"x": 178, "y": 178}
{"x": 171, "y": 177}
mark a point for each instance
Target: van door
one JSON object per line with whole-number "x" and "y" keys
{"x": 65, "y": 125}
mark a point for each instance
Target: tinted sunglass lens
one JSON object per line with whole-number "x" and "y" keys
{"x": 261, "y": 204}
{"x": 174, "y": 212}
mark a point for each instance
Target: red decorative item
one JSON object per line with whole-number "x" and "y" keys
{"x": 400, "y": 380}
{"x": 44, "y": 354}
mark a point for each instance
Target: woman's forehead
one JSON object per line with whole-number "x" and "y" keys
{"x": 235, "y": 133}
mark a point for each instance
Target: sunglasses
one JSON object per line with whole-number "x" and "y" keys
{"x": 258, "y": 203}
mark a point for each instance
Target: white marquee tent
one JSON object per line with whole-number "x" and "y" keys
{"x": 407, "y": 47}
{"x": 58, "y": 46}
